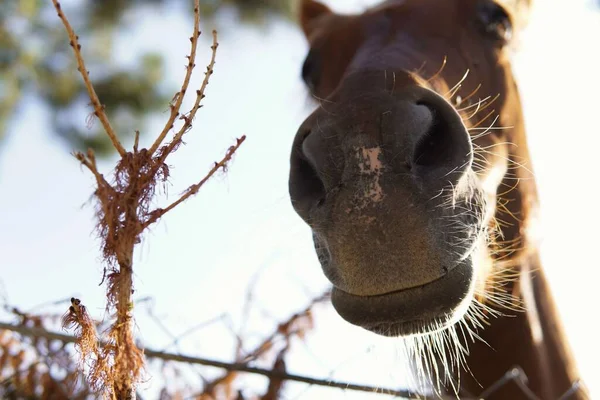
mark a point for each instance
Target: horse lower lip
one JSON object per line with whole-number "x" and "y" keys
{"x": 406, "y": 310}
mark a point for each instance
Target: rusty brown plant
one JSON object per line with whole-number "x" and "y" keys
{"x": 124, "y": 211}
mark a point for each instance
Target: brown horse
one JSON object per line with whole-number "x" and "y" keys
{"x": 414, "y": 176}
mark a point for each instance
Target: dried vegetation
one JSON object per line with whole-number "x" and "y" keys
{"x": 124, "y": 212}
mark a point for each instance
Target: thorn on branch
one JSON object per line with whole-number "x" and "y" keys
{"x": 176, "y": 105}
{"x": 136, "y": 141}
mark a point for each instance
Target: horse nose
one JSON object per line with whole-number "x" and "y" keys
{"x": 414, "y": 132}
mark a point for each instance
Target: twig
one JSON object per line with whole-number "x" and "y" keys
{"x": 283, "y": 329}
{"x": 187, "y": 124}
{"x": 191, "y": 330}
{"x": 276, "y": 384}
{"x": 246, "y": 311}
{"x": 123, "y": 214}
{"x": 50, "y": 303}
{"x": 239, "y": 367}
{"x": 90, "y": 163}
{"x": 514, "y": 375}
{"x": 178, "y": 99}
{"x": 98, "y": 107}
{"x": 192, "y": 190}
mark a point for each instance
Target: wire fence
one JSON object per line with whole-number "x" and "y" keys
{"x": 515, "y": 375}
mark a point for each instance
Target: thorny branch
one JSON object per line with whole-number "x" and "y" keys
{"x": 178, "y": 98}
{"x": 192, "y": 113}
{"x": 199, "y": 97}
{"x": 123, "y": 213}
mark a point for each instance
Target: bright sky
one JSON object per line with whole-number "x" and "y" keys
{"x": 197, "y": 262}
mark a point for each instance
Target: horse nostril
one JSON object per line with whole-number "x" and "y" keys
{"x": 311, "y": 181}
{"x": 305, "y": 134}
{"x": 434, "y": 146}
{"x": 307, "y": 189}
{"x": 443, "y": 145}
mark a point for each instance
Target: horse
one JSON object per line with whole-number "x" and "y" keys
{"x": 414, "y": 176}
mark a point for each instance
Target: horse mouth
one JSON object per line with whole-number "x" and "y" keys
{"x": 411, "y": 311}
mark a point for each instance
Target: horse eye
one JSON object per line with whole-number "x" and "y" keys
{"x": 495, "y": 20}
{"x": 311, "y": 70}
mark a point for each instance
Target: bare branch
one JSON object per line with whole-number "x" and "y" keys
{"x": 178, "y": 98}
{"x": 90, "y": 163}
{"x": 515, "y": 374}
{"x": 98, "y": 107}
{"x": 239, "y": 367}
{"x": 189, "y": 118}
{"x": 192, "y": 190}
{"x": 286, "y": 329}
{"x": 123, "y": 213}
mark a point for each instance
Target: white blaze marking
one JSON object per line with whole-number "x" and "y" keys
{"x": 369, "y": 164}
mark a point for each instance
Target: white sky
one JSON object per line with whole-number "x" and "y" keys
{"x": 197, "y": 262}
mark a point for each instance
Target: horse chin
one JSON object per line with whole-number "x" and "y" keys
{"x": 412, "y": 311}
